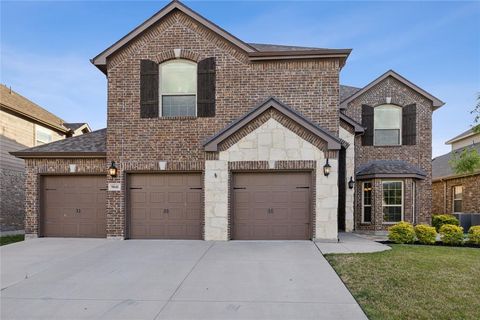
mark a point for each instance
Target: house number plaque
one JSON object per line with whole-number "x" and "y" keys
{"x": 114, "y": 186}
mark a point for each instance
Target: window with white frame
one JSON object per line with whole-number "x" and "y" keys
{"x": 457, "y": 198}
{"x": 42, "y": 135}
{"x": 387, "y": 125}
{"x": 392, "y": 201}
{"x": 367, "y": 202}
{"x": 178, "y": 88}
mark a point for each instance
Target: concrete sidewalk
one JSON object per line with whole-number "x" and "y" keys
{"x": 153, "y": 279}
{"x": 351, "y": 243}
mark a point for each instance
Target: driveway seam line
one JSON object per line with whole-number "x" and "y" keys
{"x": 185, "y": 278}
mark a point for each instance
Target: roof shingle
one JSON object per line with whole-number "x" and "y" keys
{"x": 441, "y": 167}
{"x": 389, "y": 168}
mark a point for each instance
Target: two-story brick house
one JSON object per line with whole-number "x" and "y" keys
{"x": 209, "y": 137}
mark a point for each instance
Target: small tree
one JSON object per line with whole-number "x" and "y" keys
{"x": 476, "y": 114}
{"x": 467, "y": 161}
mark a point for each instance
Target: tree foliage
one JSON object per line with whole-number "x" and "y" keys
{"x": 476, "y": 114}
{"x": 467, "y": 161}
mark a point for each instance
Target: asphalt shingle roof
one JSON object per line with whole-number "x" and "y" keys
{"x": 347, "y": 91}
{"x": 74, "y": 125}
{"x": 441, "y": 167}
{"x": 18, "y": 103}
{"x": 277, "y": 47}
{"x": 89, "y": 143}
{"x": 389, "y": 167}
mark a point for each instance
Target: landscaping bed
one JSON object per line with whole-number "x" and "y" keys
{"x": 413, "y": 282}
{"x": 11, "y": 239}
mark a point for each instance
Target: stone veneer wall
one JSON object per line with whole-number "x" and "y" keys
{"x": 442, "y": 201}
{"x": 349, "y": 137}
{"x": 270, "y": 146}
{"x": 35, "y": 168}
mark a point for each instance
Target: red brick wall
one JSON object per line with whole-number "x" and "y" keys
{"x": 309, "y": 86}
{"x": 419, "y": 154}
{"x": 444, "y": 190}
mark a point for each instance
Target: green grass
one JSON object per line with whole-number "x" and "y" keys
{"x": 11, "y": 239}
{"x": 414, "y": 282}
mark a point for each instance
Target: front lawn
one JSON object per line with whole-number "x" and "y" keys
{"x": 414, "y": 282}
{"x": 11, "y": 239}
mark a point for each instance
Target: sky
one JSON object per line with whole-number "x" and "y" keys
{"x": 46, "y": 47}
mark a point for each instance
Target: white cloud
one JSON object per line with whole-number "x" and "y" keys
{"x": 68, "y": 85}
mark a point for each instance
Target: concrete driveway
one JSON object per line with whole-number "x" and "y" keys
{"x": 148, "y": 279}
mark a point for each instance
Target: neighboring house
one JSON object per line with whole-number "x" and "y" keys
{"x": 455, "y": 193}
{"x": 23, "y": 124}
{"x": 213, "y": 138}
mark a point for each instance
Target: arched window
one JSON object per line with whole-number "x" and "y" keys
{"x": 388, "y": 125}
{"x": 178, "y": 88}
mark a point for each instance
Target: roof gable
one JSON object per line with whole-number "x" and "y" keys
{"x": 212, "y": 143}
{"x": 437, "y": 103}
{"x": 255, "y": 52}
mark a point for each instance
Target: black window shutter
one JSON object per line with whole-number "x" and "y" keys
{"x": 367, "y": 122}
{"x": 206, "y": 88}
{"x": 148, "y": 89}
{"x": 409, "y": 124}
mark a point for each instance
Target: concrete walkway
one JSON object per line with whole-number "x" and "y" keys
{"x": 351, "y": 243}
{"x": 152, "y": 279}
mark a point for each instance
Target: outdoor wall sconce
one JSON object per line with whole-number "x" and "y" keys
{"x": 112, "y": 170}
{"x": 351, "y": 183}
{"x": 326, "y": 169}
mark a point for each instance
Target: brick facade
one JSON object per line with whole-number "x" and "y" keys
{"x": 12, "y": 200}
{"x": 309, "y": 86}
{"x": 419, "y": 154}
{"x": 442, "y": 201}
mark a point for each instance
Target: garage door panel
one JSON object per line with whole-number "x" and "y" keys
{"x": 138, "y": 197}
{"x": 271, "y": 206}
{"x": 175, "y": 208}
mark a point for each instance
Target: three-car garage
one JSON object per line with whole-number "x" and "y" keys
{"x": 264, "y": 206}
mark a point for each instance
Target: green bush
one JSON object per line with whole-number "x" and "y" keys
{"x": 440, "y": 219}
{"x": 474, "y": 235}
{"x": 401, "y": 232}
{"x": 451, "y": 234}
{"x": 425, "y": 234}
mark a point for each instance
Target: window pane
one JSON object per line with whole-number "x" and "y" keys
{"x": 387, "y": 137}
{"x": 457, "y": 206}
{"x": 392, "y": 214}
{"x": 42, "y": 136}
{"x": 178, "y": 77}
{"x": 367, "y": 214}
{"x": 458, "y": 192}
{"x": 173, "y": 106}
{"x": 367, "y": 193}
{"x": 387, "y": 117}
{"x": 392, "y": 193}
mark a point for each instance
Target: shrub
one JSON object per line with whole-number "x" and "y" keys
{"x": 401, "y": 232}
{"x": 451, "y": 234}
{"x": 440, "y": 219}
{"x": 474, "y": 235}
{"x": 425, "y": 234}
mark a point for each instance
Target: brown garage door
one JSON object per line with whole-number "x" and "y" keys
{"x": 74, "y": 206}
{"x": 271, "y": 206}
{"x": 165, "y": 206}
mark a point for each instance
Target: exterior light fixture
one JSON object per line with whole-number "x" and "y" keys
{"x": 112, "y": 170}
{"x": 351, "y": 183}
{"x": 326, "y": 169}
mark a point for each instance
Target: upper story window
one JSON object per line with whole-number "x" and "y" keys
{"x": 457, "y": 198}
{"x": 42, "y": 135}
{"x": 388, "y": 125}
{"x": 178, "y": 88}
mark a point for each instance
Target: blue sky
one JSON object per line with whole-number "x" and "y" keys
{"x": 46, "y": 46}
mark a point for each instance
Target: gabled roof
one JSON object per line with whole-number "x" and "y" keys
{"x": 212, "y": 143}
{"x": 389, "y": 169}
{"x": 16, "y": 103}
{"x": 356, "y": 126}
{"x": 76, "y": 125}
{"x": 92, "y": 144}
{"x": 437, "y": 103}
{"x": 347, "y": 91}
{"x": 470, "y": 132}
{"x": 441, "y": 167}
{"x": 256, "y": 52}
